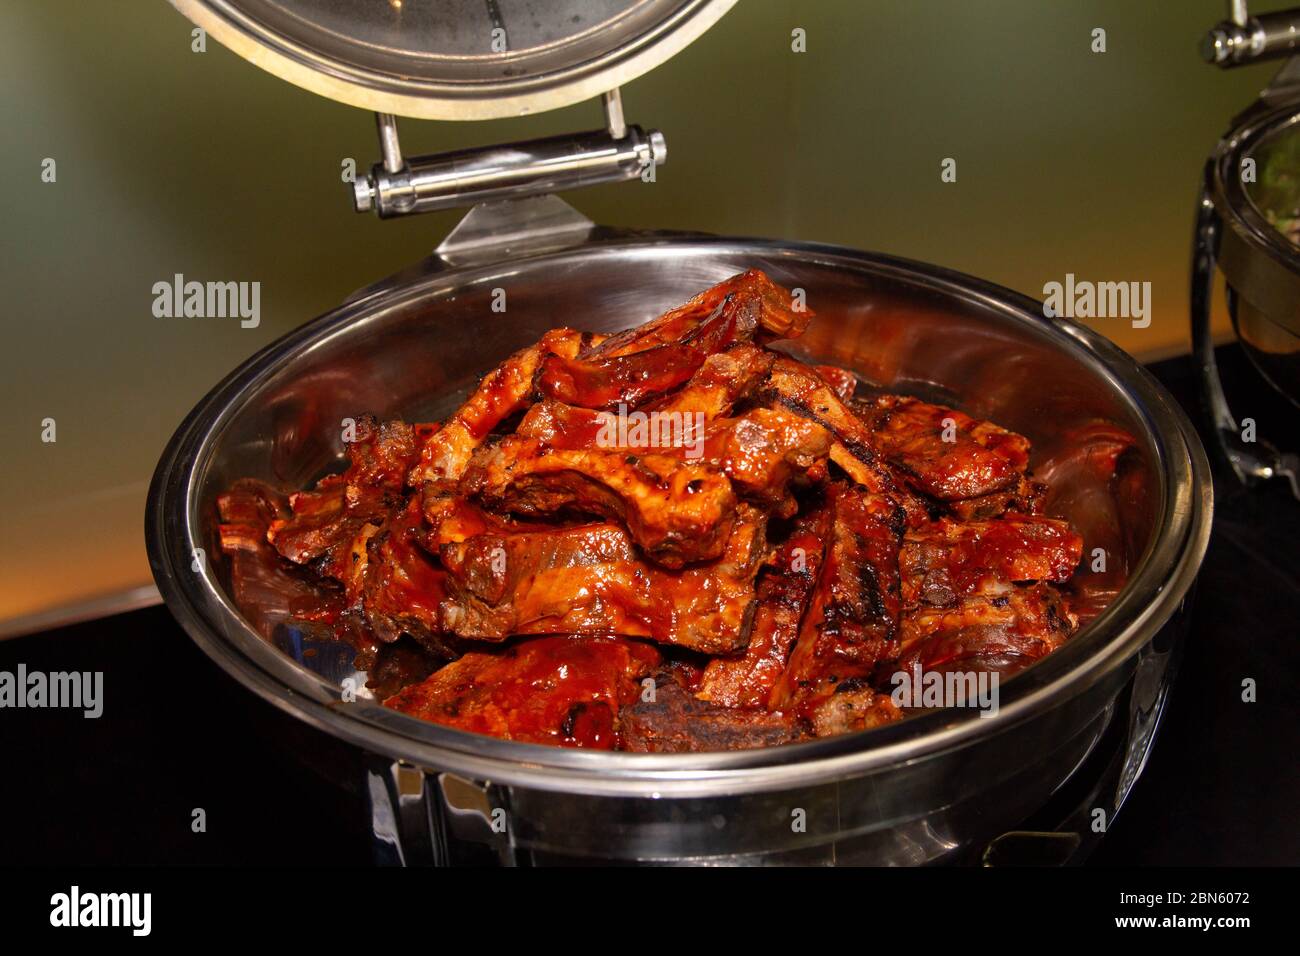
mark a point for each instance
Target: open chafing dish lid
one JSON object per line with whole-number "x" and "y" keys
{"x": 456, "y": 59}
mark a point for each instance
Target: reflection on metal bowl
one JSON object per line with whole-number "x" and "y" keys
{"x": 941, "y": 786}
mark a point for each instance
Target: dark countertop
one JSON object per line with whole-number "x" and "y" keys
{"x": 176, "y": 734}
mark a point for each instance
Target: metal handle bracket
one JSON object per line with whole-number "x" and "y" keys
{"x": 398, "y": 186}
{"x": 1243, "y": 39}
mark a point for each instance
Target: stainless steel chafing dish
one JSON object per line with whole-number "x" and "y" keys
{"x": 947, "y": 785}
{"x": 1246, "y": 228}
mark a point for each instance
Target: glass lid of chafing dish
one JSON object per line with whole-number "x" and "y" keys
{"x": 456, "y": 59}
{"x": 1275, "y": 192}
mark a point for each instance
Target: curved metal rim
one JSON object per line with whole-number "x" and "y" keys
{"x": 423, "y": 99}
{"x": 1151, "y": 596}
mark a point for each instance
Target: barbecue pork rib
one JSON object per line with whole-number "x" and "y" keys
{"x": 397, "y": 586}
{"x": 776, "y": 316}
{"x": 761, "y": 451}
{"x": 853, "y": 615}
{"x": 976, "y": 594}
{"x": 325, "y": 522}
{"x": 678, "y": 511}
{"x": 1002, "y": 633}
{"x": 942, "y": 452}
{"x": 674, "y": 721}
{"x": 723, "y": 381}
{"x": 590, "y": 579}
{"x": 784, "y": 589}
{"x": 565, "y": 691}
{"x": 629, "y": 370}
{"x": 505, "y": 391}
{"x": 802, "y": 390}
{"x": 948, "y": 559}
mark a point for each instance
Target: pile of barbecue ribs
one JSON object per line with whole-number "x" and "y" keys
{"x": 756, "y": 582}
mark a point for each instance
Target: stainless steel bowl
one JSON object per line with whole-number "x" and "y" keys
{"x": 1238, "y": 233}
{"x": 929, "y": 788}
{"x": 1261, "y": 265}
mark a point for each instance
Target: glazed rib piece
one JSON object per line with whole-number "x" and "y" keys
{"x": 678, "y": 511}
{"x": 799, "y": 388}
{"x": 880, "y": 478}
{"x": 783, "y": 592}
{"x": 761, "y": 451}
{"x": 503, "y": 392}
{"x": 565, "y": 691}
{"x": 320, "y": 522}
{"x": 1001, "y": 633}
{"x": 851, "y": 705}
{"x": 325, "y": 522}
{"x": 630, "y": 379}
{"x": 358, "y": 528}
{"x": 1024, "y": 496}
{"x": 842, "y": 382}
{"x": 720, "y": 383}
{"x": 976, "y": 594}
{"x": 396, "y": 585}
{"x": 670, "y": 327}
{"x": 948, "y": 559}
{"x": 566, "y": 580}
{"x": 764, "y": 452}
{"x": 590, "y": 579}
{"x": 974, "y": 467}
{"x": 852, "y": 619}
{"x": 449, "y": 519}
{"x": 777, "y": 316}
{"x": 676, "y": 722}
{"x": 944, "y": 453}
{"x": 630, "y": 369}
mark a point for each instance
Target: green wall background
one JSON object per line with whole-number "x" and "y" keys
{"x": 171, "y": 161}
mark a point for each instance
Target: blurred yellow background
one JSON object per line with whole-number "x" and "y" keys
{"x": 172, "y": 161}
